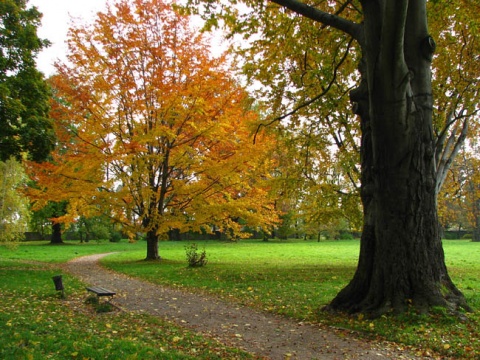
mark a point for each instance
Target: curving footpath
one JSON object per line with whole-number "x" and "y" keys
{"x": 261, "y": 333}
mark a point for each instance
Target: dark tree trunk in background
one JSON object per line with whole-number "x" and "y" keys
{"x": 56, "y": 234}
{"x": 476, "y": 234}
{"x": 175, "y": 235}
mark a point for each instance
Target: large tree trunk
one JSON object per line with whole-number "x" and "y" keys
{"x": 152, "y": 245}
{"x": 401, "y": 257}
{"x": 56, "y": 234}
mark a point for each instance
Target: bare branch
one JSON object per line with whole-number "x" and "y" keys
{"x": 347, "y": 26}
{"x": 449, "y": 155}
{"x": 311, "y": 101}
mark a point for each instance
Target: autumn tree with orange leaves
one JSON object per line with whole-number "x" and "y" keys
{"x": 153, "y": 130}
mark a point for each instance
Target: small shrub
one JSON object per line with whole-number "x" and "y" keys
{"x": 194, "y": 257}
{"x": 115, "y": 237}
{"x": 100, "y": 231}
{"x": 467, "y": 237}
{"x": 346, "y": 236}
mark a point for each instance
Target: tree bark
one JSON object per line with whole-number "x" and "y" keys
{"x": 401, "y": 261}
{"x": 56, "y": 234}
{"x": 152, "y": 245}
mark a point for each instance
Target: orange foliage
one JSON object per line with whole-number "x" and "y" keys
{"x": 154, "y": 129}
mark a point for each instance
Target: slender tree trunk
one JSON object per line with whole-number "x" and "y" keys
{"x": 56, "y": 234}
{"x": 401, "y": 260}
{"x": 476, "y": 214}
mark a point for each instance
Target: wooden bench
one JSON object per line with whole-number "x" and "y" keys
{"x": 100, "y": 291}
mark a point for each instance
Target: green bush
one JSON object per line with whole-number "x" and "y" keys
{"x": 100, "y": 231}
{"x": 194, "y": 257}
{"x": 115, "y": 237}
{"x": 345, "y": 235}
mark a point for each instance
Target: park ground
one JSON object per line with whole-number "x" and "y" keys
{"x": 292, "y": 279}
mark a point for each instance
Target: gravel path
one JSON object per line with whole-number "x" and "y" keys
{"x": 261, "y": 333}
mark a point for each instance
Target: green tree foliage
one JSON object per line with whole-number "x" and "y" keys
{"x": 24, "y": 95}
{"x": 14, "y": 210}
{"x": 308, "y": 99}
{"x": 47, "y": 216}
{"x": 456, "y": 79}
{"x": 459, "y": 201}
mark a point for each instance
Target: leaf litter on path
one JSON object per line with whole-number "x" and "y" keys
{"x": 264, "y": 334}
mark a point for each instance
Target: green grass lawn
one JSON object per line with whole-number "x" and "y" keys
{"x": 43, "y": 251}
{"x": 295, "y": 278}
{"x": 36, "y": 323}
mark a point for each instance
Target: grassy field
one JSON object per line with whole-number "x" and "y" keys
{"x": 295, "y": 278}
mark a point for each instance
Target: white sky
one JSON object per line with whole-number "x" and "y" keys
{"x": 56, "y": 19}
{"x": 57, "y": 16}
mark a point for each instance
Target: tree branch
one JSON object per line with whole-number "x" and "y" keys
{"x": 337, "y": 22}
{"x": 448, "y": 156}
{"x": 311, "y": 101}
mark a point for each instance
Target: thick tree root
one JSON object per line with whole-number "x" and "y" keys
{"x": 352, "y": 302}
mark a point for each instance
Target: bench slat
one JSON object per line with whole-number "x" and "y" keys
{"x": 100, "y": 291}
